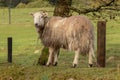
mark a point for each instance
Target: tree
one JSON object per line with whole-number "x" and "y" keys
{"x": 62, "y": 8}
{"x": 100, "y": 5}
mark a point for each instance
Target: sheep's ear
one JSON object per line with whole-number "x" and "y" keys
{"x": 45, "y": 14}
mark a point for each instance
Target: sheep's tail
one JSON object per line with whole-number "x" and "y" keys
{"x": 95, "y": 59}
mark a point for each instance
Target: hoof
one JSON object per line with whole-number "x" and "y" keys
{"x": 48, "y": 64}
{"x": 90, "y": 65}
{"x": 74, "y": 65}
{"x": 55, "y": 64}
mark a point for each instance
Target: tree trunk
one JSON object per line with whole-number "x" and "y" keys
{"x": 62, "y": 8}
{"x": 42, "y": 60}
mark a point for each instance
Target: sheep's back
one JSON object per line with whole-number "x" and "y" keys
{"x": 71, "y": 33}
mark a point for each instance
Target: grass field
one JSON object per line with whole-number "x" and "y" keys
{"x": 25, "y": 44}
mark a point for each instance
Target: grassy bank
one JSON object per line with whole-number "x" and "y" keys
{"x": 18, "y": 72}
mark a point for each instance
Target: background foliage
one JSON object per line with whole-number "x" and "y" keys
{"x": 77, "y": 3}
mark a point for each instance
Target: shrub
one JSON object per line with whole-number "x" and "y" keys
{"x": 21, "y": 5}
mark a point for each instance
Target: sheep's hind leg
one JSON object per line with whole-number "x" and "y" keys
{"x": 76, "y": 57}
{"x": 91, "y": 55}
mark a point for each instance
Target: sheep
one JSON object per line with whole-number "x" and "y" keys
{"x": 75, "y": 33}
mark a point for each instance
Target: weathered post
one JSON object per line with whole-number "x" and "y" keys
{"x": 10, "y": 49}
{"x": 101, "y": 43}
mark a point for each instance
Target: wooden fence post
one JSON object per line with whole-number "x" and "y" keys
{"x": 101, "y": 43}
{"x": 10, "y": 49}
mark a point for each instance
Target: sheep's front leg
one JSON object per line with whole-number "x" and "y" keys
{"x": 51, "y": 51}
{"x": 76, "y": 57}
{"x": 56, "y": 57}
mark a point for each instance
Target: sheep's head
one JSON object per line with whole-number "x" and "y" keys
{"x": 39, "y": 18}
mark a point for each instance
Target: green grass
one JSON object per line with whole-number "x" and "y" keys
{"x": 18, "y": 72}
{"x": 25, "y": 44}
